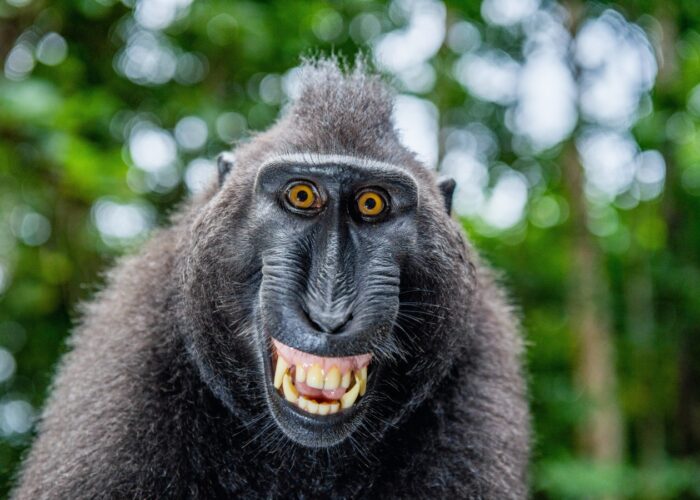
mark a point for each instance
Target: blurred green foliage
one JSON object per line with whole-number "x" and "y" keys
{"x": 82, "y": 78}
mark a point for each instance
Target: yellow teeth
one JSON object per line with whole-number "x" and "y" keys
{"x": 312, "y": 406}
{"x": 332, "y": 380}
{"x": 280, "y": 370}
{"x": 308, "y": 405}
{"x": 349, "y": 397}
{"x": 314, "y": 377}
{"x": 300, "y": 374}
{"x": 290, "y": 392}
{"x": 362, "y": 376}
{"x": 315, "y": 408}
{"x": 345, "y": 383}
{"x": 302, "y": 402}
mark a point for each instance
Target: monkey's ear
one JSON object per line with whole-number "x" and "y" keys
{"x": 447, "y": 188}
{"x": 224, "y": 164}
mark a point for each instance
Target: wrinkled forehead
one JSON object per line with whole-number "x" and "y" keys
{"x": 340, "y": 168}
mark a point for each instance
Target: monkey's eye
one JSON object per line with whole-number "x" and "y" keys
{"x": 303, "y": 196}
{"x": 371, "y": 203}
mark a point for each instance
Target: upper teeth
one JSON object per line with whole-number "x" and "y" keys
{"x": 332, "y": 380}
{"x": 314, "y": 376}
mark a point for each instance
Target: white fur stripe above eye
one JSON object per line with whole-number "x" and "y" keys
{"x": 355, "y": 161}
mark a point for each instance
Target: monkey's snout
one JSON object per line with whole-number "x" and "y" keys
{"x": 328, "y": 322}
{"x": 316, "y": 384}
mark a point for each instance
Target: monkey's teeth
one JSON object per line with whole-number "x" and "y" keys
{"x": 302, "y": 402}
{"x": 362, "y": 376}
{"x": 311, "y": 405}
{"x": 349, "y": 397}
{"x": 314, "y": 377}
{"x": 300, "y": 373}
{"x": 280, "y": 370}
{"x": 332, "y": 380}
{"x": 290, "y": 392}
{"x": 345, "y": 383}
{"x": 328, "y": 408}
{"x": 318, "y": 385}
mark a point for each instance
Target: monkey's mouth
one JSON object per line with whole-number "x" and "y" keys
{"x": 319, "y": 385}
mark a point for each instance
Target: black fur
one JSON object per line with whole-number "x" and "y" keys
{"x": 161, "y": 395}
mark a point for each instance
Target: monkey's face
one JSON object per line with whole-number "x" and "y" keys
{"x": 312, "y": 271}
{"x": 333, "y": 238}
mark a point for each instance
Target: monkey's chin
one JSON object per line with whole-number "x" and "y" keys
{"x": 317, "y": 402}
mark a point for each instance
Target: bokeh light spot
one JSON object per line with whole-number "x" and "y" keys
{"x": 4, "y": 278}
{"x": 416, "y": 121}
{"x": 52, "y": 49}
{"x": 191, "y": 133}
{"x": 19, "y": 62}
{"x": 545, "y": 212}
{"x": 122, "y": 223}
{"x": 508, "y": 12}
{"x": 505, "y": 206}
{"x": 16, "y": 417}
{"x": 200, "y": 174}
{"x": 328, "y": 25}
{"x": 230, "y": 126}
{"x": 7, "y": 365}
{"x": 32, "y": 228}
{"x": 151, "y": 148}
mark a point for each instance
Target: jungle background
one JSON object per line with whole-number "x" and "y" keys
{"x": 571, "y": 128}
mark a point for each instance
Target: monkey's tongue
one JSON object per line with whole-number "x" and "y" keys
{"x": 317, "y": 384}
{"x": 312, "y": 392}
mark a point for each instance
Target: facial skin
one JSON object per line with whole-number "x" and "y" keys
{"x": 331, "y": 275}
{"x": 326, "y": 275}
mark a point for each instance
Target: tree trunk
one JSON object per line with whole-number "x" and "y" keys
{"x": 600, "y": 431}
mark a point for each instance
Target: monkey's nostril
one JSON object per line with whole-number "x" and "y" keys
{"x": 328, "y": 323}
{"x": 315, "y": 325}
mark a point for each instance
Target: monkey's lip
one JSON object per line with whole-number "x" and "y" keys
{"x": 319, "y": 385}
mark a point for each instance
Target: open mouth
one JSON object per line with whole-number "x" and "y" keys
{"x": 319, "y": 385}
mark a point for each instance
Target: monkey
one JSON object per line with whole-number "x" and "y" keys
{"x": 315, "y": 324}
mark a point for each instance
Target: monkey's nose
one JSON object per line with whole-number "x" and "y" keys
{"x": 328, "y": 322}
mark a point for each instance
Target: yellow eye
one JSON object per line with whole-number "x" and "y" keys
{"x": 302, "y": 195}
{"x": 370, "y": 203}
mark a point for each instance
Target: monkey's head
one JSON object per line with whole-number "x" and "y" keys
{"x": 325, "y": 284}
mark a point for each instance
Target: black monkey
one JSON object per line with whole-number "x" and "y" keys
{"x": 314, "y": 325}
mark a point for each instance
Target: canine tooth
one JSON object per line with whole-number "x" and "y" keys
{"x": 280, "y": 370}
{"x": 332, "y": 379}
{"x": 290, "y": 392}
{"x": 345, "y": 383}
{"x": 314, "y": 377}
{"x": 300, "y": 373}
{"x": 349, "y": 397}
{"x": 324, "y": 408}
{"x": 363, "y": 380}
{"x": 312, "y": 406}
{"x": 334, "y": 407}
